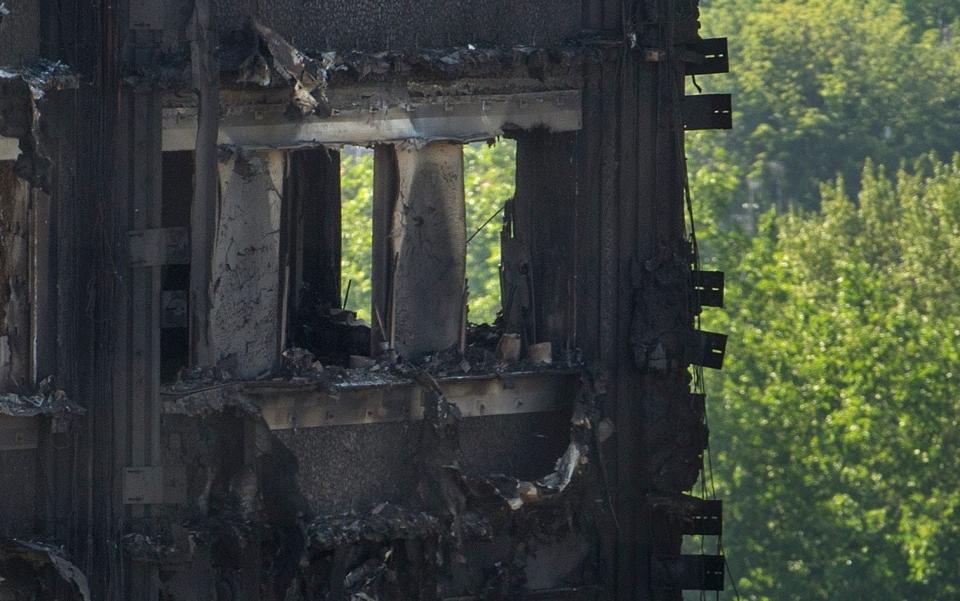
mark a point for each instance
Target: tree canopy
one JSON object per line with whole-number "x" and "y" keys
{"x": 836, "y": 424}
{"x": 819, "y": 86}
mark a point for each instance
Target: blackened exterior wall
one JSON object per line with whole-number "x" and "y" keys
{"x": 20, "y": 32}
{"x": 373, "y": 25}
{"x": 616, "y": 227}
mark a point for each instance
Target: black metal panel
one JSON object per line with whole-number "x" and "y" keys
{"x": 707, "y": 56}
{"x": 708, "y": 288}
{"x": 706, "y": 517}
{"x": 707, "y": 111}
{"x": 690, "y": 572}
{"x": 708, "y": 349}
{"x": 692, "y": 515}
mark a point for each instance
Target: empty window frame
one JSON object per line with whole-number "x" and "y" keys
{"x": 490, "y": 183}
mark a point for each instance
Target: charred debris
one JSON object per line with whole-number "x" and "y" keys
{"x": 187, "y": 411}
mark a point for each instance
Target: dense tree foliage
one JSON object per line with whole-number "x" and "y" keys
{"x": 356, "y": 193}
{"x": 489, "y": 178}
{"x": 836, "y": 424}
{"x": 821, "y": 85}
{"x": 834, "y": 421}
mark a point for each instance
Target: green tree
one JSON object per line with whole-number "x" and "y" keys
{"x": 934, "y": 14}
{"x": 489, "y": 180}
{"x": 821, "y": 85}
{"x": 835, "y": 423}
{"x": 356, "y": 214}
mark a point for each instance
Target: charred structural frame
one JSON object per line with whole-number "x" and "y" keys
{"x": 187, "y": 412}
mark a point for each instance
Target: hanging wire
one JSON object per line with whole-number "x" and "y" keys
{"x": 486, "y": 223}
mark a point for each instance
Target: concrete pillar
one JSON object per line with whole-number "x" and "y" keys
{"x": 423, "y": 287}
{"x": 245, "y": 280}
{"x": 14, "y": 281}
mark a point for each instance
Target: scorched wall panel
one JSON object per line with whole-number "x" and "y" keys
{"x": 408, "y": 24}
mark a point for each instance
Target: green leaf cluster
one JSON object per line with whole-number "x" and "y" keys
{"x": 356, "y": 215}
{"x": 835, "y": 430}
{"x": 819, "y": 86}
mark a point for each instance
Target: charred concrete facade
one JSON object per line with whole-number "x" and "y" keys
{"x": 187, "y": 412}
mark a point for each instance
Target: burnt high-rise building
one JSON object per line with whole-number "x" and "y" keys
{"x": 187, "y": 410}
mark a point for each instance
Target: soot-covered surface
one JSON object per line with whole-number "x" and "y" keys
{"x": 18, "y": 492}
{"x": 408, "y": 24}
{"x": 20, "y": 33}
{"x": 350, "y": 467}
{"x": 525, "y": 446}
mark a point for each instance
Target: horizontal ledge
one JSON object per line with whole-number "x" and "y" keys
{"x": 291, "y": 404}
{"x": 464, "y": 119}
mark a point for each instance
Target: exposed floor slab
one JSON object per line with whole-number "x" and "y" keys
{"x": 462, "y": 119}
{"x": 292, "y": 405}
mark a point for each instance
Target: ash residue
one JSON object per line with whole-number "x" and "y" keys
{"x": 259, "y": 56}
{"x": 47, "y": 400}
{"x": 385, "y": 522}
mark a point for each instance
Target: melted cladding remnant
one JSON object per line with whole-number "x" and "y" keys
{"x": 272, "y": 57}
{"x": 518, "y": 493}
{"x": 47, "y": 400}
{"x": 385, "y": 522}
{"x": 307, "y": 75}
{"x": 22, "y": 92}
{"x": 24, "y": 564}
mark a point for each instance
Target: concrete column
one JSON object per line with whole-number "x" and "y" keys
{"x": 426, "y": 267}
{"x": 245, "y": 279}
{"x": 15, "y": 348}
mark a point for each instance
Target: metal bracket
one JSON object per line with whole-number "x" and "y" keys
{"x": 705, "y": 517}
{"x": 707, "y": 111}
{"x": 689, "y": 572}
{"x": 161, "y": 246}
{"x": 707, "y": 56}
{"x": 692, "y": 515}
{"x": 707, "y": 349}
{"x": 708, "y": 288}
{"x": 154, "y": 485}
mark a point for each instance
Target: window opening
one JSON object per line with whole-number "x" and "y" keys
{"x": 489, "y": 182}
{"x": 338, "y": 333}
{"x": 356, "y": 213}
